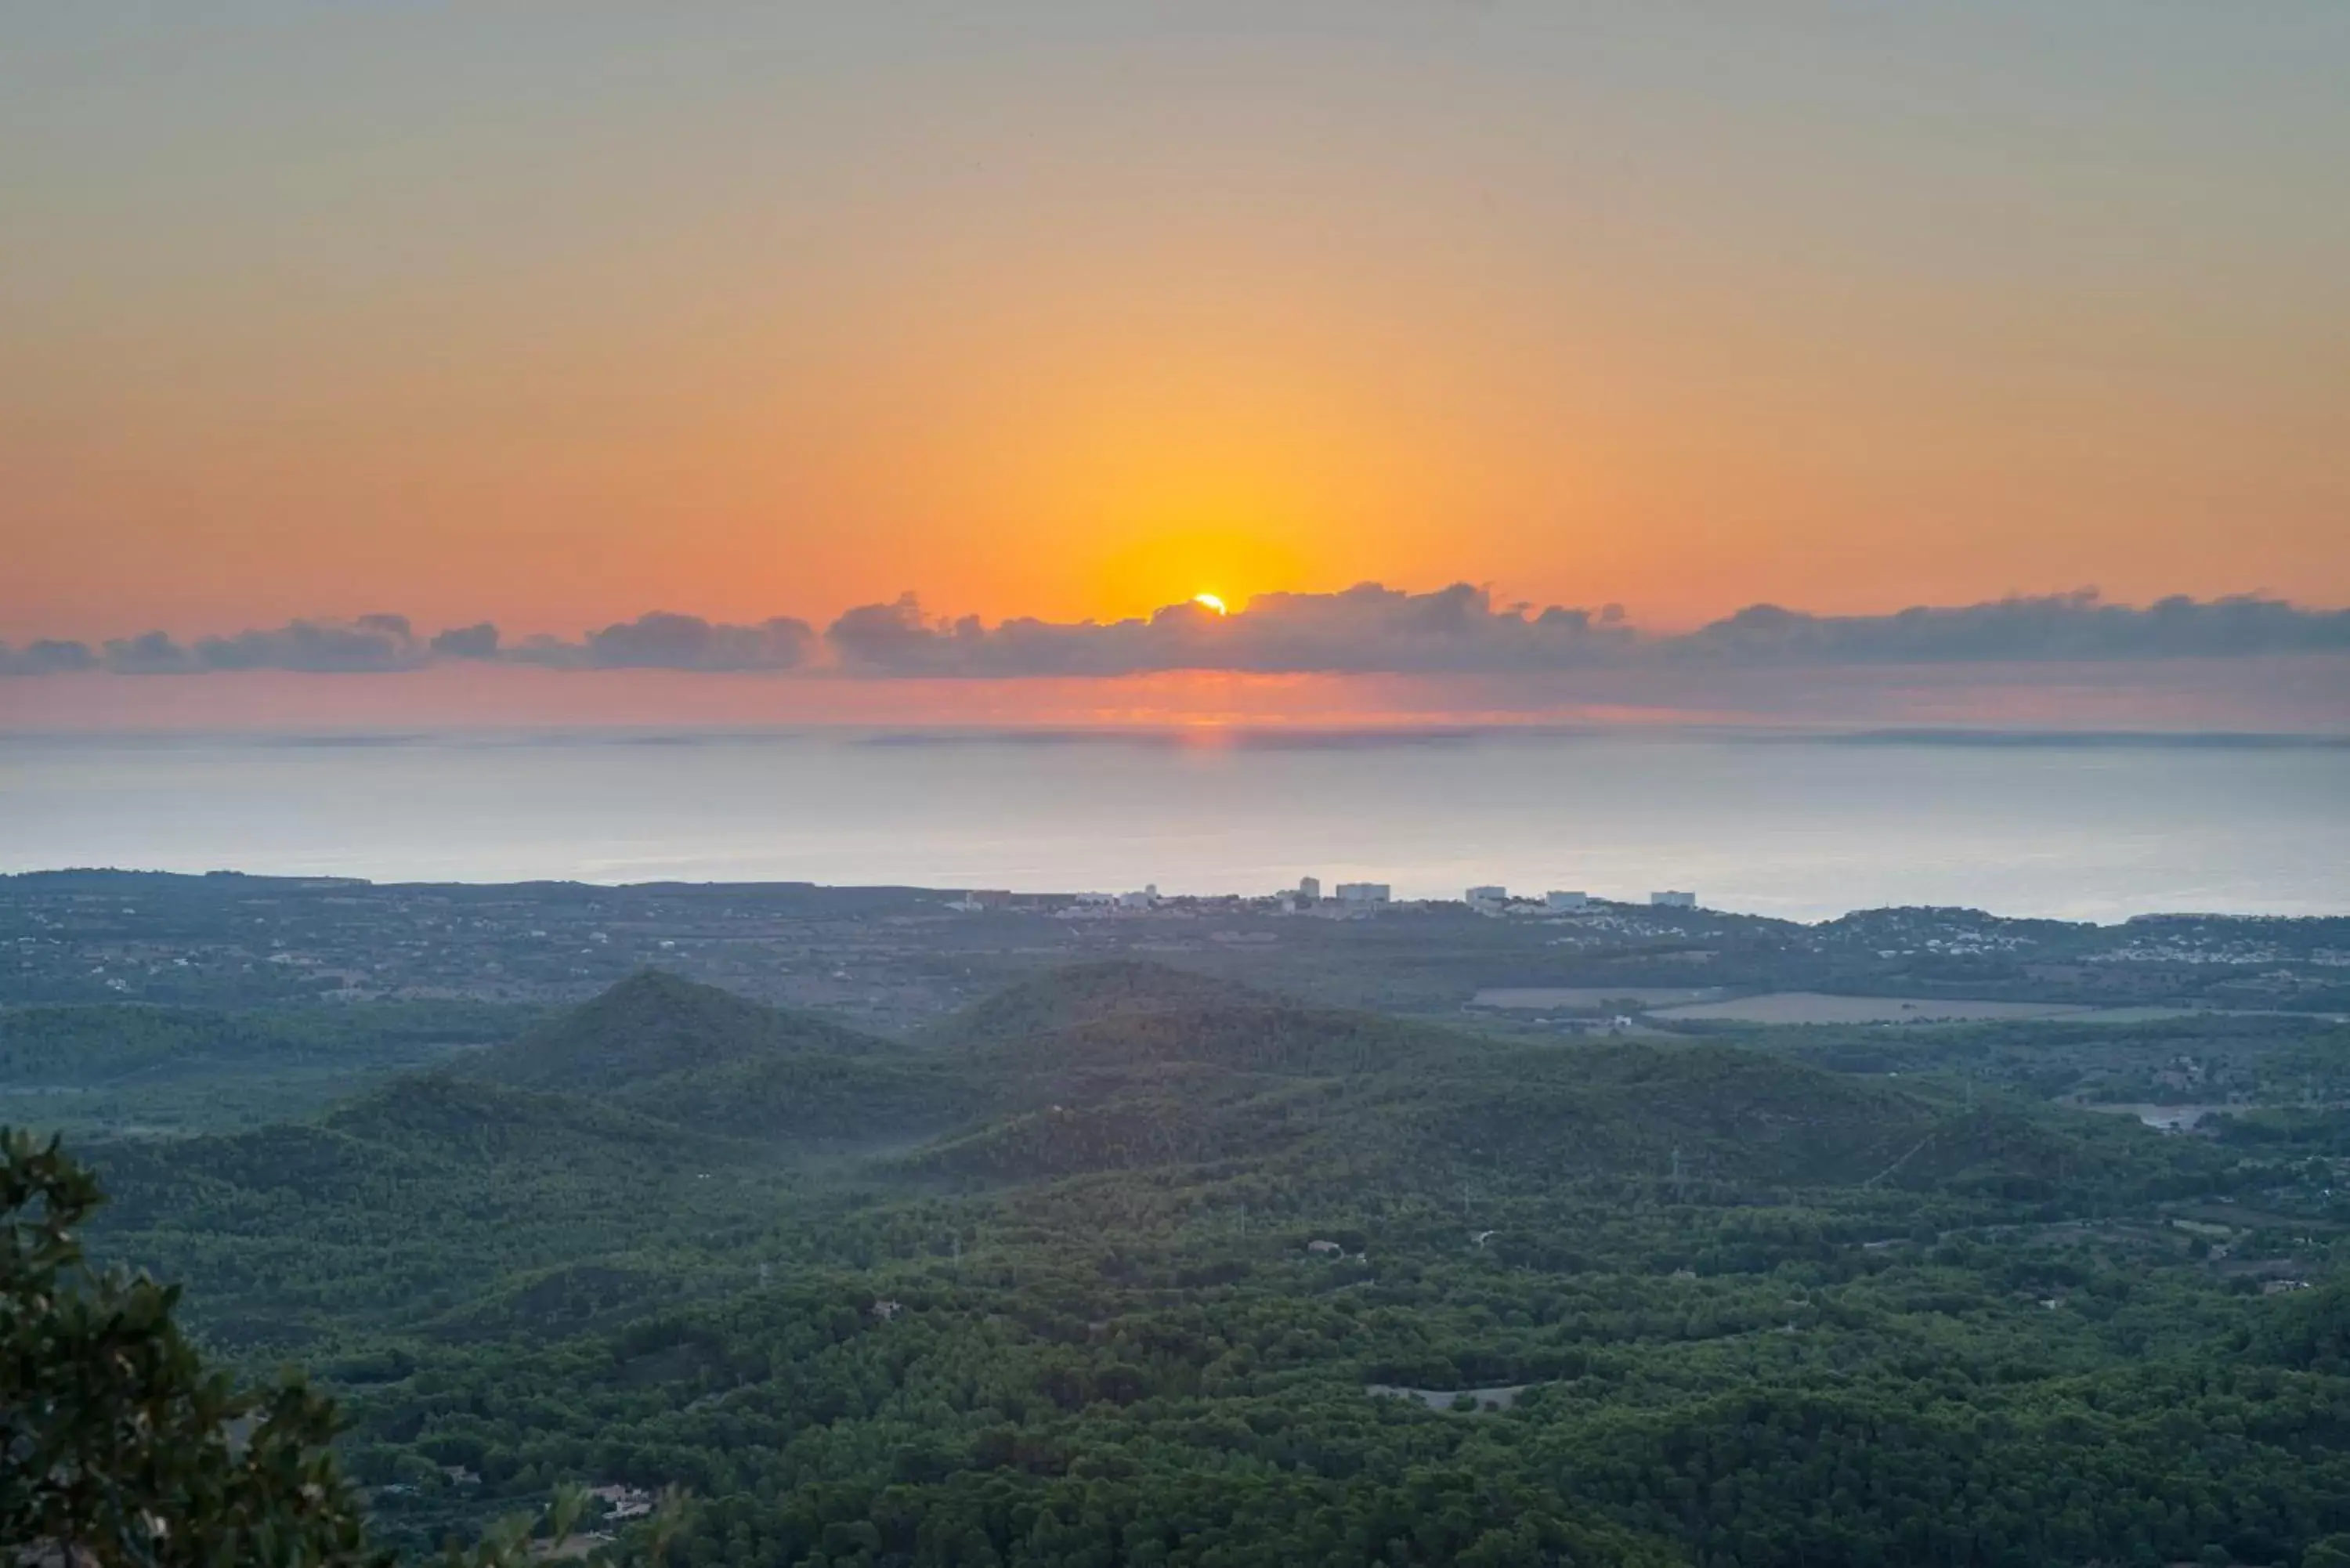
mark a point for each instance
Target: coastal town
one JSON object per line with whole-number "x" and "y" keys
{"x": 892, "y": 956}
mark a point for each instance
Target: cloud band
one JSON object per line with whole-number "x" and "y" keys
{"x": 1366, "y": 629}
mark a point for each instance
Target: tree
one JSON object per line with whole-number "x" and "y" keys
{"x": 119, "y": 1446}
{"x": 2333, "y": 1552}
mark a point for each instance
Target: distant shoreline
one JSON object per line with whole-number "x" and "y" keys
{"x": 1056, "y": 903}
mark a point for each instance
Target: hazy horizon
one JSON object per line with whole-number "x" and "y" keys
{"x": 1800, "y": 824}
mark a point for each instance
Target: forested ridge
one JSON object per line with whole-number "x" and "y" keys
{"x": 1128, "y": 1265}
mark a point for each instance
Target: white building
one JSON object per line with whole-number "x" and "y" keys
{"x": 1309, "y": 889}
{"x": 1673, "y": 900}
{"x": 1488, "y": 897}
{"x": 1362, "y": 893}
{"x": 1146, "y": 899}
{"x": 1560, "y": 903}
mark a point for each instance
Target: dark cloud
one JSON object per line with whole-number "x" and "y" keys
{"x": 1374, "y": 630}
{"x": 477, "y": 641}
{"x": 46, "y": 656}
{"x": 376, "y": 643}
{"x": 666, "y": 641}
{"x": 2077, "y": 625}
{"x": 371, "y": 643}
{"x": 151, "y": 653}
{"x": 1366, "y": 629}
{"x": 663, "y": 641}
{"x": 1370, "y": 628}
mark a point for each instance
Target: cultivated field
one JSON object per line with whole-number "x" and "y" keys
{"x": 1527, "y": 998}
{"x": 1818, "y": 1007}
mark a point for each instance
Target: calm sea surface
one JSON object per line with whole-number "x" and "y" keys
{"x": 1805, "y": 827}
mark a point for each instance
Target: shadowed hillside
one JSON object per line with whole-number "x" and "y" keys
{"x": 1078, "y": 994}
{"x": 1132, "y": 1065}
{"x": 457, "y": 1120}
{"x": 1719, "y": 1113}
{"x": 653, "y": 1024}
{"x": 1120, "y": 1017}
{"x": 709, "y": 1061}
{"x": 1124, "y": 1066}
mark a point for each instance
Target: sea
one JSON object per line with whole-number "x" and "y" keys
{"x": 1803, "y": 825}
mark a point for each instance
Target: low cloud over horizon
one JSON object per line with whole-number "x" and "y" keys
{"x": 1366, "y": 629}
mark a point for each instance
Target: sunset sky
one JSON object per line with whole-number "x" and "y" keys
{"x": 551, "y": 315}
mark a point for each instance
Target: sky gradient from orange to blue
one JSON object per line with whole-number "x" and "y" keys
{"x": 554, "y": 315}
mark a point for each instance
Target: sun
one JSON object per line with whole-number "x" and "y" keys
{"x": 1211, "y": 601}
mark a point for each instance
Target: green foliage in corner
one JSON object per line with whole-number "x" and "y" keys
{"x": 119, "y": 1446}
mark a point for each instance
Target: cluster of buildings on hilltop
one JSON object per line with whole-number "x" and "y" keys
{"x": 1344, "y": 899}
{"x": 1488, "y": 899}
{"x": 1496, "y": 900}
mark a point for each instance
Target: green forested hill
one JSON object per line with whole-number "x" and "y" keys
{"x": 649, "y": 1026}
{"x": 709, "y": 1062}
{"x": 1065, "y": 998}
{"x": 1130, "y": 1066}
{"x": 109, "y": 1066}
{"x": 110, "y": 1043}
{"x": 653, "y": 1024}
{"x": 809, "y": 1100}
{"x": 437, "y": 1115}
{"x": 1123, "y": 1267}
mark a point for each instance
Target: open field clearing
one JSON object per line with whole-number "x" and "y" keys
{"x": 1817, "y": 1007}
{"x": 1528, "y": 998}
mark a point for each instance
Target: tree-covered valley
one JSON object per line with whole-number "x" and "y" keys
{"x": 1127, "y": 1263}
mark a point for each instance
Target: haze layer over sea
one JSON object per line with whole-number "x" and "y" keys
{"x": 1805, "y": 826}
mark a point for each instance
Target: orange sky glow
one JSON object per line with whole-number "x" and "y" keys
{"x": 476, "y": 317}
